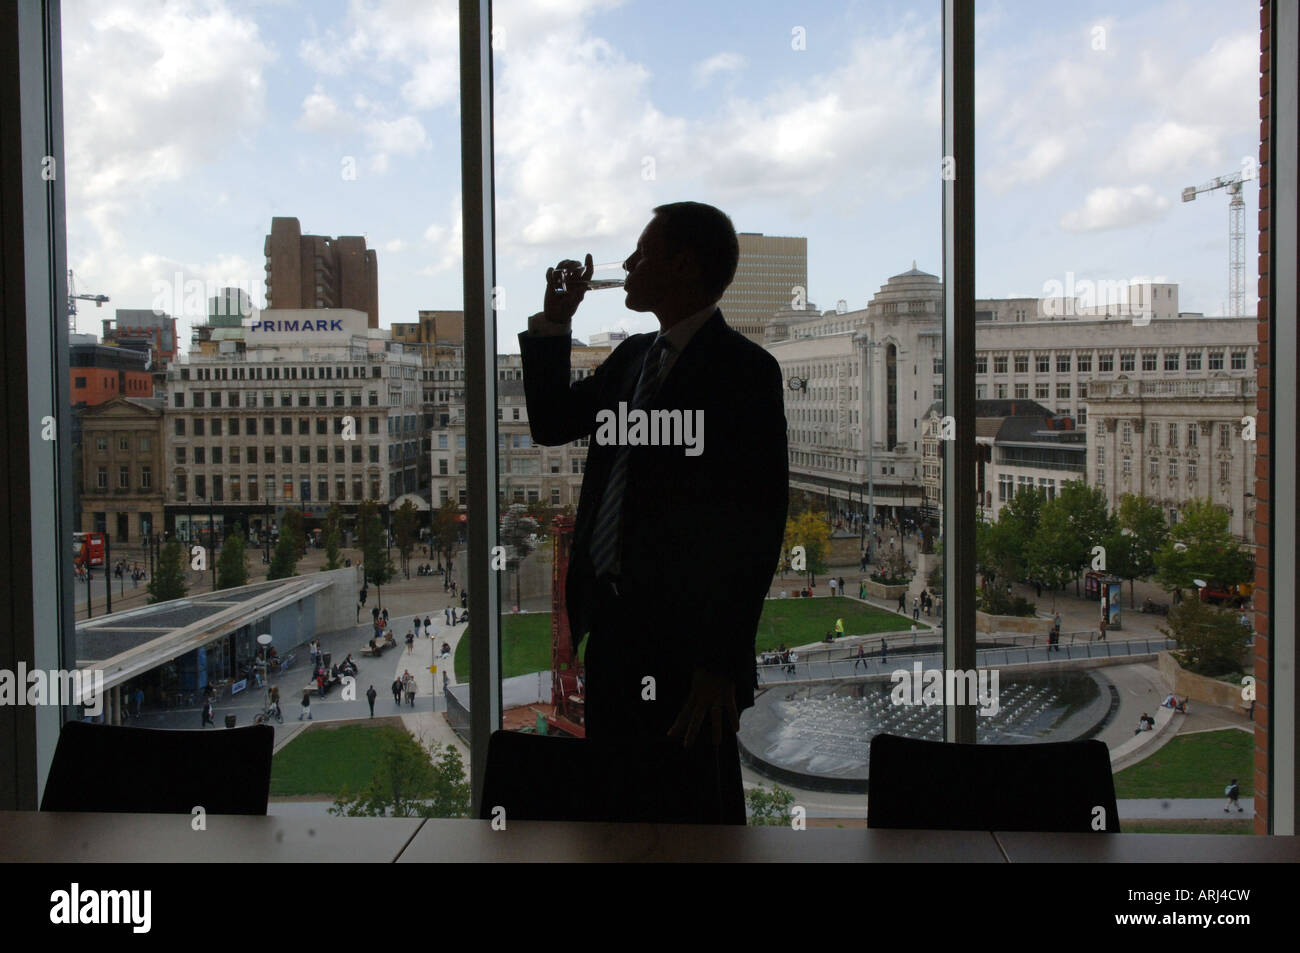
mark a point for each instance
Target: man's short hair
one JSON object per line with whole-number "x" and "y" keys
{"x": 708, "y": 235}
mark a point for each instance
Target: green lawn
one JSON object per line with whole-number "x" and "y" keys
{"x": 803, "y": 621}
{"x": 1199, "y": 765}
{"x": 526, "y": 639}
{"x": 525, "y": 646}
{"x": 325, "y": 759}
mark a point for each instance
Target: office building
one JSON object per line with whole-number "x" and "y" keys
{"x": 316, "y": 410}
{"x": 314, "y": 271}
{"x": 772, "y": 275}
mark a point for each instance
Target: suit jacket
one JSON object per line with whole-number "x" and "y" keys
{"x": 702, "y": 535}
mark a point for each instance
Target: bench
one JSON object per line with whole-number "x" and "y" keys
{"x": 329, "y": 683}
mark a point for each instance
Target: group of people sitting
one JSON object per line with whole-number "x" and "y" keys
{"x": 1171, "y": 701}
{"x": 1145, "y": 723}
{"x": 782, "y": 656}
{"x": 426, "y": 570}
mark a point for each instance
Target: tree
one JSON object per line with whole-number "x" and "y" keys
{"x": 769, "y": 809}
{"x": 809, "y": 530}
{"x": 1211, "y": 639}
{"x": 232, "y": 564}
{"x": 292, "y": 524}
{"x": 284, "y": 559}
{"x": 1054, "y": 554}
{"x": 1007, "y": 540}
{"x": 1140, "y": 531}
{"x": 544, "y": 513}
{"x": 1089, "y": 518}
{"x": 406, "y": 529}
{"x": 1201, "y": 546}
{"x": 333, "y": 535}
{"x": 935, "y": 579}
{"x": 374, "y": 551}
{"x": 1069, "y": 526}
{"x": 893, "y": 570}
{"x": 446, "y": 528}
{"x": 516, "y": 529}
{"x": 168, "y": 580}
{"x": 407, "y": 782}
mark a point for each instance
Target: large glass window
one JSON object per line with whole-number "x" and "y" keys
{"x": 356, "y": 122}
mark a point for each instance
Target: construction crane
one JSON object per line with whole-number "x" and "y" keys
{"x": 73, "y": 298}
{"x": 1236, "y": 235}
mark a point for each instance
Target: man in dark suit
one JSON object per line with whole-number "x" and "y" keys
{"x": 675, "y": 543}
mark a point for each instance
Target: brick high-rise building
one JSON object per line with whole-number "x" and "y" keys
{"x": 772, "y": 272}
{"x": 315, "y": 271}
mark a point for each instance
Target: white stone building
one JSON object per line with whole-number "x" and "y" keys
{"x": 251, "y": 432}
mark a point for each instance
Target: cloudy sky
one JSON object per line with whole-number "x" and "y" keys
{"x": 190, "y": 124}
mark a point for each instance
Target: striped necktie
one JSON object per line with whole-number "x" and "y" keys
{"x": 605, "y": 539}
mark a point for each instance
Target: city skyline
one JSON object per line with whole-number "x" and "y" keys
{"x": 345, "y": 116}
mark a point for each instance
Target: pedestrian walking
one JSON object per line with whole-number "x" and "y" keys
{"x": 207, "y": 715}
{"x": 311, "y": 651}
{"x": 305, "y": 711}
{"x": 861, "y": 658}
{"x": 834, "y": 586}
{"x": 916, "y": 609}
{"x": 884, "y": 651}
{"x": 1233, "y": 792}
{"x": 902, "y": 603}
{"x": 446, "y": 615}
{"x": 1102, "y": 626}
{"x": 385, "y": 614}
{"x": 428, "y": 627}
{"x": 410, "y": 641}
{"x": 417, "y": 626}
{"x": 409, "y": 679}
{"x": 397, "y": 690}
{"x": 139, "y": 700}
{"x": 464, "y": 598}
{"x": 371, "y": 695}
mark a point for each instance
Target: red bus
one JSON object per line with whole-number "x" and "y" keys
{"x": 88, "y": 549}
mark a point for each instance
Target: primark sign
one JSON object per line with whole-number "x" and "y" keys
{"x": 277, "y": 327}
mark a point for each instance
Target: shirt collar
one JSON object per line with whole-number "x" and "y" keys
{"x": 680, "y": 334}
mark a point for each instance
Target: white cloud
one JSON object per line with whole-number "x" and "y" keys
{"x": 572, "y": 168}
{"x": 409, "y": 43}
{"x": 151, "y": 93}
{"x": 443, "y": 243}
{"x": 1160, "y": 148}
{"x": 321, "y": 114}
{"x": 394, "y": 247}
{"x": 381, "y": 137}
{"x": 1115, "y": 207}
{"x": 718, "y": 63}
{"x": 1044, "y": 157}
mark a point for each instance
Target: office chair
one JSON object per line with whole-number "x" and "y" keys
{"x": 1055, "y": 787}
{"x": 553, "y": 778}
{"x": 108, "y": 768}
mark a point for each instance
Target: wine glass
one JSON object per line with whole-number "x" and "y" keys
{"x": 609, "y": 274}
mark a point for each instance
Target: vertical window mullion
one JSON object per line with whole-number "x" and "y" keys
{"x": 477, "y": 202}
{"x": 959, "y": 352}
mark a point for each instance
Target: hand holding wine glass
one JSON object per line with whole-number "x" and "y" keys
{"x": 569, "y": 281}
{"x": 565, "y": 288}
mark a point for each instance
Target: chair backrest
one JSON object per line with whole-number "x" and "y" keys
{"x": 144, "y": 770}
{"x": 1054, "y": 787}
{"x": 555, "y": 778}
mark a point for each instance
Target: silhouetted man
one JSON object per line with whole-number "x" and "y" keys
{"x": 676, "y": 538}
